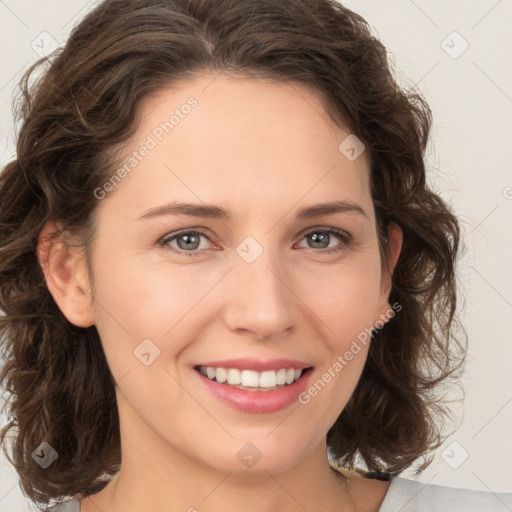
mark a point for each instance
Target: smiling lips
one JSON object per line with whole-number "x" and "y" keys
{"x": 255, "y": 386}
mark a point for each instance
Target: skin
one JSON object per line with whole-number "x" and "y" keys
{"x": 263, "y": 150}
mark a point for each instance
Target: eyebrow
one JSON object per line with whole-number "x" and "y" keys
{"x": 217, "y": 212}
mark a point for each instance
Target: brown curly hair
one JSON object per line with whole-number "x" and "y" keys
{"x": 76, "y": 115}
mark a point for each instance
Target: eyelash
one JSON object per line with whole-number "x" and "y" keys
{"x": 345, "y": 238}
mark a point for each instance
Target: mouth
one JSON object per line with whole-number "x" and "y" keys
{"x": 254, "y": 385}
{"x": 250, "y": 379}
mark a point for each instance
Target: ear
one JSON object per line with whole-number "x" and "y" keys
{"x": 66, "y": 276}
{"x": 394, "y": 246}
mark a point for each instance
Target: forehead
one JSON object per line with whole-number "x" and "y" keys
{"x": 260, "y": 138}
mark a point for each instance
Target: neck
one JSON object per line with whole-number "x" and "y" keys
{"x": 189, "y": 486}
{"x": 156, "y": 476}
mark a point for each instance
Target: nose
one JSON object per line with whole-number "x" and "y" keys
{"x": 261, "y": 301}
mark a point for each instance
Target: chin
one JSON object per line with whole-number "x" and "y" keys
{"x": 257, "y": 457}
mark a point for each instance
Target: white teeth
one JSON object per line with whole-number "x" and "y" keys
{"x": 233, "y": 376}
{"x": 221, "y": 374}
{"x": 281, "y": 377}
{"x": 251, "y": 378}
{"x": 268, "y": 379}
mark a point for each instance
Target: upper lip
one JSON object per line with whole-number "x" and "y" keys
{"x": 257, "y": 364}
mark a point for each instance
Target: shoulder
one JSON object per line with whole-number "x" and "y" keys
{"x": 68, "y": 506}
{"x": 411, "y": 496}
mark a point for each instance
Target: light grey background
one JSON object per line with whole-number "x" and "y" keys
{"x": 470, "y": 93}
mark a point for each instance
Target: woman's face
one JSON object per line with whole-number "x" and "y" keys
{"x": 244, "y": 278}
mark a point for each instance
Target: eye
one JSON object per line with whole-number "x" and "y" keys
{"x": 187, "y": 242}
{"x": 321, "y": 238}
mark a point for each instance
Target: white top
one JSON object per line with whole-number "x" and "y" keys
{"x": 409, "y": 496}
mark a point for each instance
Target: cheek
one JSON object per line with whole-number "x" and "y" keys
{"x": 347, "y": 307}
{"x": 150, "y": 295}
{"x": 346, "y": 299}
{"x": 139, "y": 302}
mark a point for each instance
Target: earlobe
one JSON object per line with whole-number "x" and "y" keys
{"x": 66, "y": 276}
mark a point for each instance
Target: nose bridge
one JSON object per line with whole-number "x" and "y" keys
{"x": 260, "y": 297}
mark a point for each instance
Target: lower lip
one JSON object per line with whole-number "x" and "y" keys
{"x": 257, "y": 401}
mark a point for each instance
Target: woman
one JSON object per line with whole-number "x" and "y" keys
{"x": 225, "y": 281}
